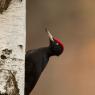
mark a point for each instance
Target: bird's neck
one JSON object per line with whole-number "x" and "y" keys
{"x": 50, "y": 52}
{"x": 47, "y": 51}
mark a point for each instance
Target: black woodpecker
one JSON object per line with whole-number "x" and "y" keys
{"x": 36, "y": 60}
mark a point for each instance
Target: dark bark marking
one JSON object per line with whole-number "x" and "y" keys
{"x": 4, "y": 4}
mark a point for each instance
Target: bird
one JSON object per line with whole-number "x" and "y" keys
{"x": 37, "y": 59}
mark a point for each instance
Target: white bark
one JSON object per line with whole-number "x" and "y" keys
{"x": 12, "y": 45}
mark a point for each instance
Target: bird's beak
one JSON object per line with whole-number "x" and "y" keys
{"x": 49, "y": 34}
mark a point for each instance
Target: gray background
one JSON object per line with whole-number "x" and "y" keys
{"x": 72, "y": 21}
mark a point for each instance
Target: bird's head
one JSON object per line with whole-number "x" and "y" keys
{"x": 56, "y": 46}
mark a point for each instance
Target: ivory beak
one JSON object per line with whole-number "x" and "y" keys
{"x": 49, "y": 34}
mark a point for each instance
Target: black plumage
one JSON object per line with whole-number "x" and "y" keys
{"x": 36, "y": 60}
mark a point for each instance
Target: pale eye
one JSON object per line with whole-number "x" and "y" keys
{"x": 57, "y": 43}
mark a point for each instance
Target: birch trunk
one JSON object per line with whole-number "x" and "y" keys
{"x": 12, "y": 48}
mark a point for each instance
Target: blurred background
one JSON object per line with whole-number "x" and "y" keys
{"x": 72, "y": 21}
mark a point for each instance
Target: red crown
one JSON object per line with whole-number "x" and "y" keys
{"x": 58, "y": 41}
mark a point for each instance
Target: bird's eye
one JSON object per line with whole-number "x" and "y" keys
{"x": 57, "y": 43}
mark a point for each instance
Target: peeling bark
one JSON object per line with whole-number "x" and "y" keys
{"x": 12, "y": 47}
{"x": 8, "y": 83}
